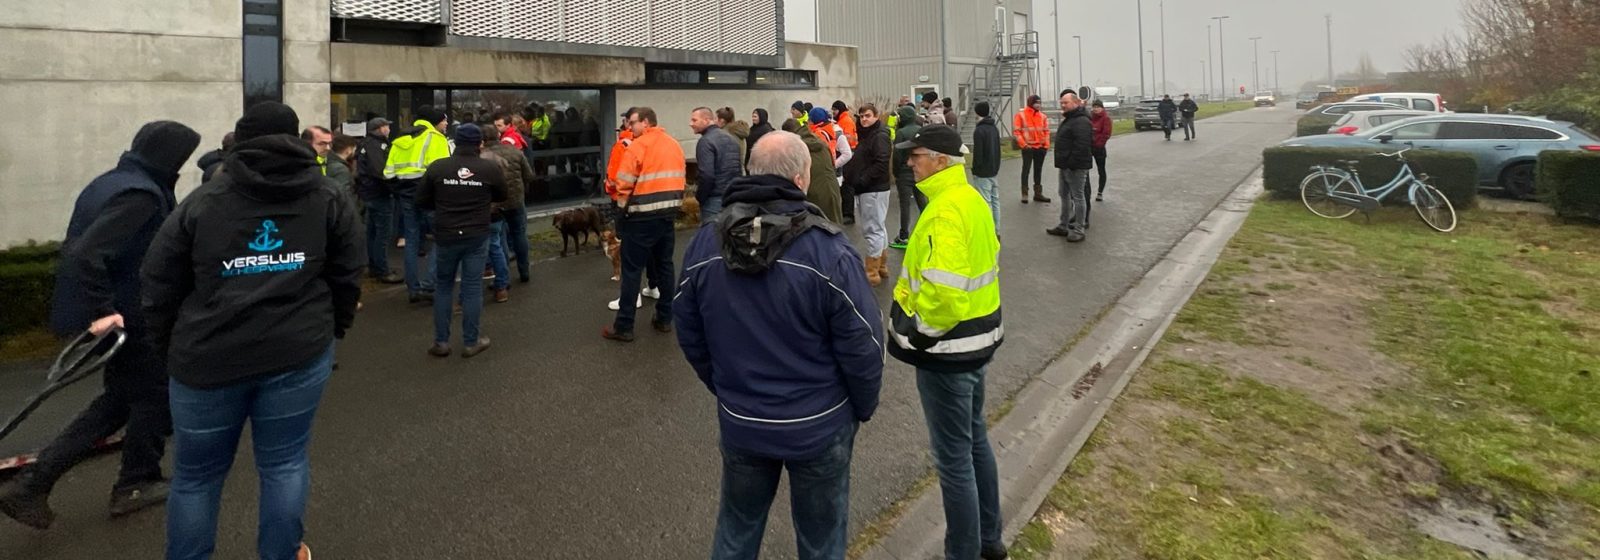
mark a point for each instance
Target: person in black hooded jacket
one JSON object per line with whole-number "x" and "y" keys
{"x": 760, "y": 124}
{"x": 97, "y": 288}
{"x": 246, "y": 287}
{"x": 211, "y": 161}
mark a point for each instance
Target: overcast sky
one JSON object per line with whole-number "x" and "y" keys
{"x": 1381, "y": 28}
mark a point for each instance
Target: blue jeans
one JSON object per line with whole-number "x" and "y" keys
{"x": 819, "y": 497}
{"x": 467, "y": 256}
{"x": 413, "y": 222}
{"x": 497, "y": 254}
{"x": 206, "y": 426}
{"x": 709, "y": 208}
{"x": 517, "y": 236}
{"x": 646, "y": 245}
{"x": 380, "y": 221}
{"x": 990, "y": 189}
{"x": 952, "y": 403}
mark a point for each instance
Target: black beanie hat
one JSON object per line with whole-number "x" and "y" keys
{"x": 165, "y": 145}
{"x": 982, "y": 108}
{"x": 840, "y": 106}
{"x": 431, "y": 114}
{"x": 266, "y": 118}
{"x": 930, "y": 97}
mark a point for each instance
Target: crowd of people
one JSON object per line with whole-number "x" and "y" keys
{"x": 232, "y": 298}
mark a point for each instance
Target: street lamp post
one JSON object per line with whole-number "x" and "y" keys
{"x": 1205, "y": 66}
{"x": 1152, "y": 71}
{"x": 1277, "y": 71}
{"x": 1139, "y": 5}
{"x": 1222, "y": 58}
{"x": 1211, "y": 83}
{"x": 1080, "y": 59}
{"x": 1163, "y": 7}
{"x": 1056, "y": 13}
{"x": 1255, "y": 66}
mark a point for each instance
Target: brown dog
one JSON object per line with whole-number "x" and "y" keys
{"x": 613, "y": 249}
{"x": 577, "y": 221}
{"x": 690, "y": 212}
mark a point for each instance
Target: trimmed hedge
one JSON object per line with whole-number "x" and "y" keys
{"x": 1570, "y": 183}
{"x": 32, "y": 252}
{"x": 1454, "y": 174}
{"x": 1312, "y": 125}
{"x": 26, "y": 288}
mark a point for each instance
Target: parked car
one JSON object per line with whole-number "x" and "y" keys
{"x": 1506, "y": 146}
{"x": 1305, "y": 101}
{"x": 1266, "y": 99}
{"x": 1431, "y": 102}
{"x": 1317, "y": 120}
{"x": 1146, "y": 115}
{"x": 1352, "y": 123}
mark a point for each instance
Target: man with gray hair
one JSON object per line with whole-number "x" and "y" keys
{"x": 1074, "y": 157}
{"x": 775, "y": 315}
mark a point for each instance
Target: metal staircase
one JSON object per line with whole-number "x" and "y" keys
{"x": 1012, "y": 61}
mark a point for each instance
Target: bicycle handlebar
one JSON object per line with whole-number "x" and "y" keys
{"x": 1397, "y": 155}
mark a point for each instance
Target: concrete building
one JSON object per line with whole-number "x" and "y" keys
{"x": 81, "y": 77}
{"x": 987, "y": 51}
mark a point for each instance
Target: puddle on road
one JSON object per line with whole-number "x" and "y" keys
{"x": 1473, "y": 527}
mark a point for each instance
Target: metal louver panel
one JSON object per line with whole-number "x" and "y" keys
{"x": 750, "y": 26}
{"x": 532, "y": 20}
{"x": 412, "y": 11}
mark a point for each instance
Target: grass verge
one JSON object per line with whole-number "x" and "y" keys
{"x": 1357, "y": 389}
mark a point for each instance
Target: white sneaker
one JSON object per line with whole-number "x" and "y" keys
{"x": 652, "y": 293}
{"x": 614, "y": 307}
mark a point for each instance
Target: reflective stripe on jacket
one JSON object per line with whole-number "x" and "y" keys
{"x": 946, "y": 311}
{"x": 539, "y": 129}
{"x": 650, "y": 180}
{"x": 410, "y": 155}
{"x": 624, "y": 139}
{"x": 1031, "y": 128}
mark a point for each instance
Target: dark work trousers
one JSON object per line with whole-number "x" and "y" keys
{"x": 847, "y": 206}
{"x": 1100, "y": 166}
{"x": 136, "y": 396}
{"x": 1033, "y": 158}
{"x": 646, "y": 245}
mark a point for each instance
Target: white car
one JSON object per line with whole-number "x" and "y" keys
{"x": 1353, "y": 123}
{"x": 1430, "y": 102}
{"x": 1266, "y": 99}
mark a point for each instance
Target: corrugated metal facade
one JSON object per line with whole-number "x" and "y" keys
{"x": 899, "y": 40}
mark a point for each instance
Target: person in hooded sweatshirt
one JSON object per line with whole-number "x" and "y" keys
{"x": 776, "y": 317}
{"x": 461, "y": 190}
{"x": 97, "y": 288}
{"x": 246, "y": 286}
{"x": 760, "y": 125}
{"x": 986, "y": 159}
{"x": 824, "y": 190}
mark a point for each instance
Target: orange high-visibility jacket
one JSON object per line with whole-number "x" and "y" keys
{"x": 1031, "y": 128}
{"x": 848, "y": 123}
{"x": 624, "y": 138}
{"x": 650, "y": 180}
{"x": 828, "y": 136}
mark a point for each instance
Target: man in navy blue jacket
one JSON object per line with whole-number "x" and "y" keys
{"x": 775, "y": 314}
{"x": 717, "y": 157}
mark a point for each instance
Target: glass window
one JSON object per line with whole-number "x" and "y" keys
{"x": 1530, "y": 133}
{"x": 1336, "y": 111}
{"x": 263, "y": 51}
{"x": 728, "y": 77}
{"x": 785, "y": 77}
{"x": 673, "y": 76}
{"x": 566, "y": 154}
{"x": 1470, "y": 131}
{"x": 1423, "y": 105}
{"x": 1419, "y": 131}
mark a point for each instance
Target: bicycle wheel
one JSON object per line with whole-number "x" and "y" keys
{"x": 1316, "y": 190}
{"x": 1434, "y": 209}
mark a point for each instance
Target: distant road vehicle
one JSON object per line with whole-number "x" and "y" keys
{"x": 1147, "y": 114}
{"x": 1506, "y": 146}
{"x": 1358, "y": 121}
{"x": 1431, "y": 102}
{"x": 1305, "y": 101}
{"x": 1110, "y": 96}
{"x": 1266, "y": 99}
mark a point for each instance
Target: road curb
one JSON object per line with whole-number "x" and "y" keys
{"x": 1055, "y": 413}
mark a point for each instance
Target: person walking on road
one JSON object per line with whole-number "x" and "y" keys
{"x": 411, "y": 151}
{"x": 867, "y": 175}
{"x": 462, "y": 191}
{"x": 377, "y": 195}
{"x": 905, "y": 181}
{"x": 716, "y": 157}
{"x": 650, "y": 190}
{"x": 512, "y": 214}
{"x": 1188, "y": 108}
{"x": 1032, "y": 129}
{"x": 824, "y": 191}
{"x": 1169, "y": 112}
{"x": 246, "y": 287}
{"x": 986, "y": 159}
{"x": 1100, "y": 122}
{"x": 777, "y": 320}
{"x": 97, "y": 288}
{"x": 1074, "y": 148}
{"x": 945, "y": 321}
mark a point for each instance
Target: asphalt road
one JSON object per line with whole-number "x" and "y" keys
{"x": 558, "y": 444}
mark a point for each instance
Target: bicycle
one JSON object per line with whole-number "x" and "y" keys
{"x": 1334, "y": 192}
